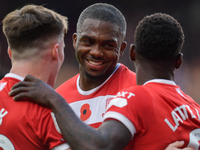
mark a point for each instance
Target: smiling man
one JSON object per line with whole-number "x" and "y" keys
{"x": 99, "y": 43}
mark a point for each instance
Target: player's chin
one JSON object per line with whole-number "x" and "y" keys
{"x": 94, "y": 74}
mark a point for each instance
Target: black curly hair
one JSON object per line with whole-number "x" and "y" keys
{"x": 158, "y": 36}
{"x": 104, "y": 12}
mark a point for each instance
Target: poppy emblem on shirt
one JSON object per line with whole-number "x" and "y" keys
{"x": 85, "y": 112}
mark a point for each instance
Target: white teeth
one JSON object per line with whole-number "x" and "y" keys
{"x": 95, "y": 63}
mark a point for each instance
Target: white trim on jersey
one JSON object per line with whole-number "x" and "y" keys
{"x": 123, "y": 119}
{"x": 96, "y": 88}
{"x": 64, "y": 146}
{"x": 161, "y": 81}
{"x": 12, "y": 75}
{"x": 97, "y": 107}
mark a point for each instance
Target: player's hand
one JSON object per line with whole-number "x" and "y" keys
{"x": 34, "y": 90}
{"x": 176, "y": 145}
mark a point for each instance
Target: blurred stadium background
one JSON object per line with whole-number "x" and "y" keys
{"x": 187, "y": 12}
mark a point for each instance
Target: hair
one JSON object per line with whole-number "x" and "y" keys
{"x": 158, "y": 36}
{"x": 32, "y": 25}
{"x": 103, "y": 12}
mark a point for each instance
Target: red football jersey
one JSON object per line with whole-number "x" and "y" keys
{"x": 157, "y": 114}
{"x": 25, "y": 125}
{"x": 90, "y": 105}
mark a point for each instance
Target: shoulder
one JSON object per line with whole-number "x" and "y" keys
{"x": 6, "y": 84}
{"x": 124, "y": 68}
{"x": 69, "y": 84}
{"x": 133, "y": 92}
{"x": 130, "y": 106}
{"x": 37, "y": 109}
{"x": 125, "y": 75}
{"x": 134, "y": 96}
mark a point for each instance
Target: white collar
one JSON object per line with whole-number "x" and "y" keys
{"x": 161, "y": 81}
{"x": 12, "y": 75}
{"x": 96, "y": 88}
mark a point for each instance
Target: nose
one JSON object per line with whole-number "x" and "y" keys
{"x": 96, "y": 51}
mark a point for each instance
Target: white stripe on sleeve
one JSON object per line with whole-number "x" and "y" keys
{"x": 64, "y": 146}
{"x": 124, "y": 120}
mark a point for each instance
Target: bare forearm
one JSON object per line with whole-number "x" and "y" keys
{"x": 76, "y": 133}
{"x": 110, "y": 135}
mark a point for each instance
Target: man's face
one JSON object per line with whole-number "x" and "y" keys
{"x": 98, "y": 47}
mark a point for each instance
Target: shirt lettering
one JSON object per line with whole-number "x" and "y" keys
{"x": 2, "y": 114}
{"x": 125, "y": 94}
{"x": 2, "y": 85}
{"x": 180, "y": 114}
{"x": 120, "y": 100}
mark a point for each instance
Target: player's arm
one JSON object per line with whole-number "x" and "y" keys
{"x": 110, "y": 135}
{"x": 60, "y": 147}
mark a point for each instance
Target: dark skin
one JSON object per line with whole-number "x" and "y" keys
{"x": 111, "y": 134}
{"x": 149, "y": 69}
{"x": 98, "y": 47}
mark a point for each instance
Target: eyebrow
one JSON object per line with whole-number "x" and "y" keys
{"x": 91, "y": 38}
{"x": 86, "y": 36}
{"x": 111, "y": 41}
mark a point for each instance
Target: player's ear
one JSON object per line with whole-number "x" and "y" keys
{"x": 179, "y": 60}
{"x": 74, "y": 38}
{"x": 55, "y": 53}
{"x": 132, "y": 52}
{"x": 9, "y": 52}
{"x": 123, "y": 47}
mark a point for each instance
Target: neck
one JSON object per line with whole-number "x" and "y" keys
{"x": 36, "y": 69}
{"x": 148, "y": 72}
{"x": 88, "y": 82}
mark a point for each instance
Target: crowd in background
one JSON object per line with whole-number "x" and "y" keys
{"x": 185, "y": 11}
